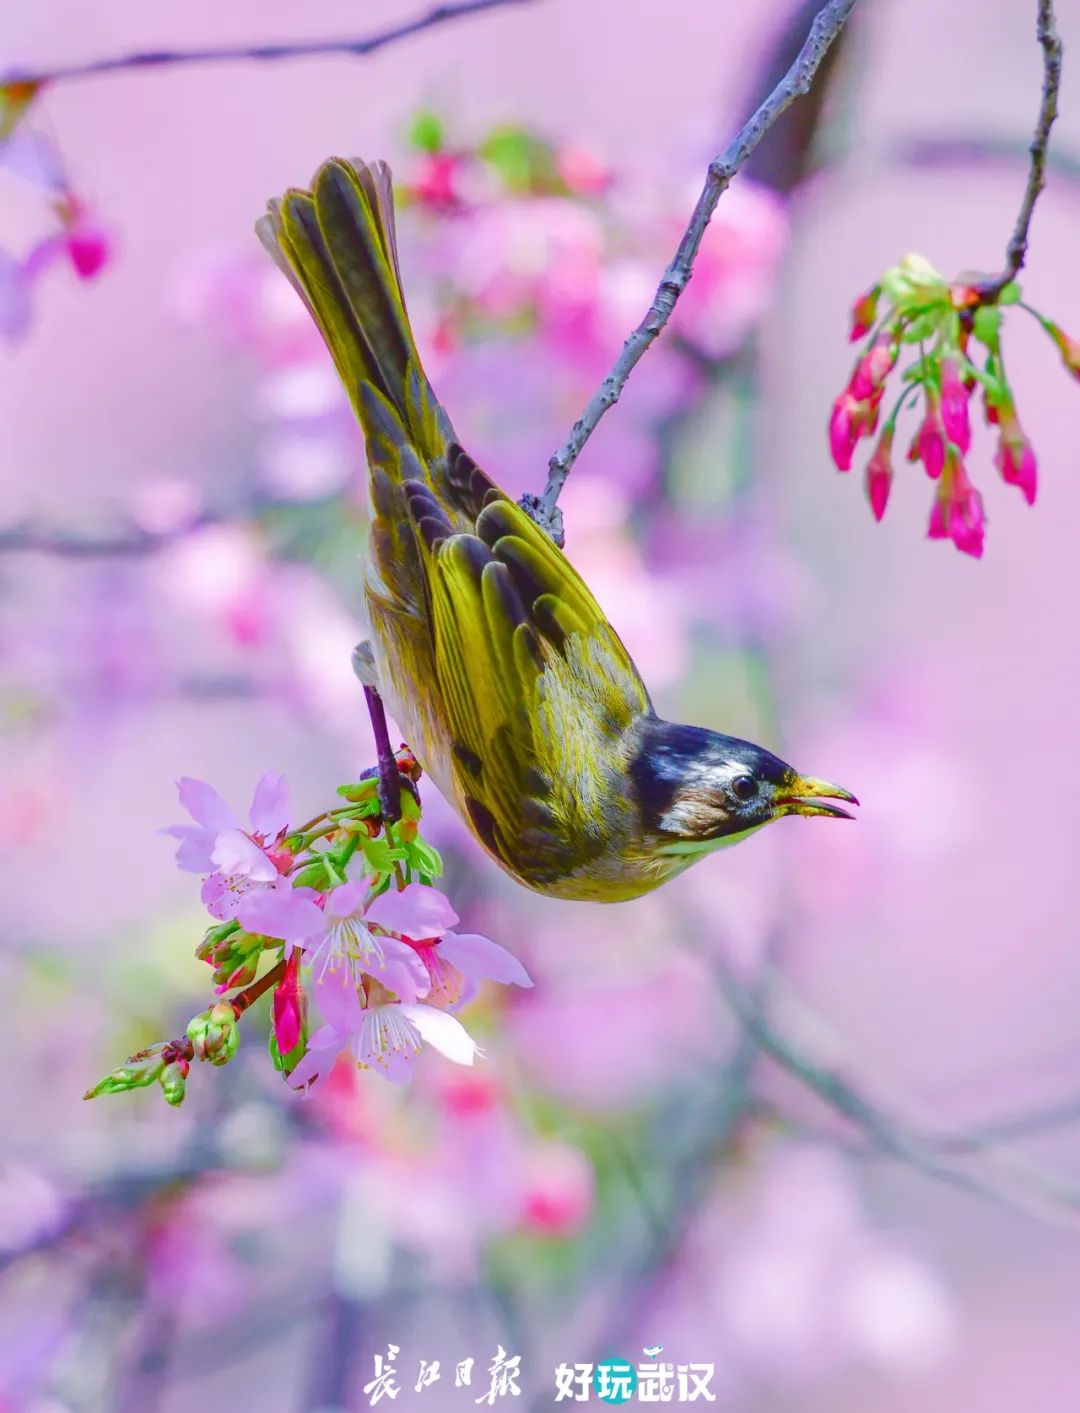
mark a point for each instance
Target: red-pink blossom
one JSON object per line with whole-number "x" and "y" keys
{"x": 957, "y": 512}
{"x": 289, "y": 1007}
{"x": 436, "y": 181}
{"x": 954, "y": 406}
{"x": 879, "y": 472}
{"x": 559, "y": 1189}
{"x": 843, "y": 436}
{"x": 930, "y": 439}
{"x": 1014, "y": 457}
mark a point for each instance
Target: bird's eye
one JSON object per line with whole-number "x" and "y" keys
{"x": 743, "y": 787}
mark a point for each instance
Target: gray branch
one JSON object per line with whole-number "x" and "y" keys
{"x": 1011, "y": 1178}
{"x": 796, "y": 82}
{"x": 1052, "y": 52}
{"x": 303, "y": 49}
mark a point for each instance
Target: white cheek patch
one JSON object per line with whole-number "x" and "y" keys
{"x": 690, "y": 814}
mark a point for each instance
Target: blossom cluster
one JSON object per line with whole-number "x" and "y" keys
{"x": 340, "y": 916}
{"x": 957, "y": 328}
{"x": 74, "y": 235}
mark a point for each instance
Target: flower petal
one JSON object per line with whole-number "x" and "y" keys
{"x": 444, "y": 1033}
{"x": 195, "y": 854}
{"x": 346, "y": 899}
{"x": 223, "y": 894}
{"x": 399, "y": 969}
{"x": 388, "y": 1041}
{"x": 282, "y": 911}
{"x": 270, "y": 806}
{"x": 318, "y": 1059}
{"x": 235, "y": 852}
{"x": 476, "y": 956}
{"x": 338, "y": 1004}
{"x": 205, "y": 805}
{"x": 416, "y": 911}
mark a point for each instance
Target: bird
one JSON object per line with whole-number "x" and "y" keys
{"x": 515, "y": 693}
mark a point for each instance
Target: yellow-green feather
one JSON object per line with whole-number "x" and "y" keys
{"x": 519, "y": 696}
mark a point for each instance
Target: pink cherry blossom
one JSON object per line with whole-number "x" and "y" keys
{"x": 280, "y": 910}
{"x": 217, "y": 829}
{"x": 345, "y": 940}
{"x": 385, "y": 1035}
{"x": 415, "y": 911}
{"x": 237, "y": 861}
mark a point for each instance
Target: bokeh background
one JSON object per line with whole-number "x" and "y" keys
{"x": 182, "y": 510}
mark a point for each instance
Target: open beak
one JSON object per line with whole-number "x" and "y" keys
{"x": 805, "y": 794}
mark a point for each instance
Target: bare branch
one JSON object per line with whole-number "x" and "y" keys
{"x": 303, "y": 49}
{"x": 795, "y": 83}
{"x": 125, "y": 542}
{"x": 1016, "y": 250}
{"x": 1001, "y": 1174}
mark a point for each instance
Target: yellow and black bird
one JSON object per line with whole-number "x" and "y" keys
{"x": 515, "y": 693}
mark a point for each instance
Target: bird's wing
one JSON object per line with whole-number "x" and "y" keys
{"x": 537, "y": 688}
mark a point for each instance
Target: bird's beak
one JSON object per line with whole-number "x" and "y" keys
{"x": 805, "y": 794}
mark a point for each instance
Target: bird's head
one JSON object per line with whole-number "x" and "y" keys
{"x": 698, "y": 790}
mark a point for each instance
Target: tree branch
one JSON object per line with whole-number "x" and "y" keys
{"x": 303, "y": 49}
{"x": 1016, "y": 250}
{"x": 795, "y": 83}
{"x": 1019, "y": 1183}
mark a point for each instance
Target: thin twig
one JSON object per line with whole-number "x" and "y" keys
{"x": 795, "y": 83}
{"x": 301, "y": 49}
{"x": 1016, "y": 1182}
{"x": 1016, "y": 250}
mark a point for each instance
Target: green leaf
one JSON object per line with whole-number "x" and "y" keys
{"x": 379, "y": 855}
{"x": 313, "y": 875}
{"x": 361, "y": 791}
{"x": 426, "y": 133}
{"x": 986, "y": 324}
{"x": 1010, "y": 294}
{"x": 511, "y": 151}
{"x": 424, "y": 858}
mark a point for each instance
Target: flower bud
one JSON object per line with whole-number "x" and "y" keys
{"x": 864, "y": 312}
{"x": 173, "y": 1080}
{"x": 1014, "y": 457}
{"x": 214, "y": 1033}
{"x": 1067, "y": 347}
{"x": 954, "y": 406}
{"x": 914, "y": 281}
{"x": 842, "y": 434}
{"x": 213, "y": 938}
{"x": 957, "y": 512}
{"x": 879, "y": 472}
{"x": 139, "y": 1071}
{"x": 289, "y": 1007}
{"x": 930, "y": 439}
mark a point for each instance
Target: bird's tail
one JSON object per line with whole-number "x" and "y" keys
{"x": 336, "y": 245}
